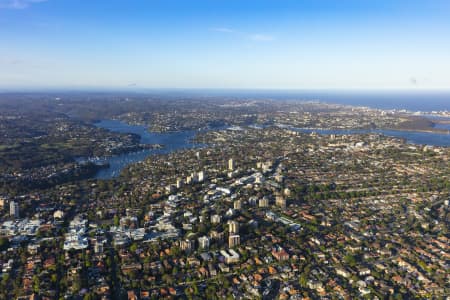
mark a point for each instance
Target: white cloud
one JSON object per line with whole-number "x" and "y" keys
{"x": 261, "y": 37}
{"x": 18, "y": 4}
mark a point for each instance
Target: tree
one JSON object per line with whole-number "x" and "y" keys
{"x": 116, "y": 220}
{"x": 4, "y": 243}
{"x": 36, "y": 283}
{"x": 108, "y": 262}
{"x": 167, "y": 279}
{"x": 54, "y": 278}
{"x": 303, "y": 280}
{"x": 350, "y": 260}
{"x": 195, "y": 288}
{"x": 188, "y": 292}
{"x": 88, "y": 296}
{"x": 398, "y": 296}
{"x": 5, "y": 278}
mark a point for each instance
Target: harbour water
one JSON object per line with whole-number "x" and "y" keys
{"x": 412, "y": 137}
{"x": 173, "y": 141}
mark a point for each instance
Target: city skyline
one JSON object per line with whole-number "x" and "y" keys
{"x": 224, "y": 44}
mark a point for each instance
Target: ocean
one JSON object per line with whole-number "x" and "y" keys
{"x": 418, "y": 100}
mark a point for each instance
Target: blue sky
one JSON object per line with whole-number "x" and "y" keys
{"x": 278, "y": 44}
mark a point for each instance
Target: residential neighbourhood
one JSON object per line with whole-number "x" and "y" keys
{"x": 293, "y": 216}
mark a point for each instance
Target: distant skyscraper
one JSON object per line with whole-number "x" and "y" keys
{"x": 216, "y": 219}
{"x": 263, "y": 202}
{"x": 231, "y": 164}
{"x": 237, "y": 204}
{"x": 201, "y": 176}
{"x": 279, "y": 178}
{"x": 217, "y": 236}
{"x": 233, "y": 227}
{"x": 180, "y": 183}
{"x": 204, "y": 242}
{"x": 280, "y": 201}
{"x": 14, "y": 209}
{"x": 186, "y": 245}
{"x": 259, "y": 178}
{"x": 287, "y": 192}
{"x": 234, "y": 240}
{"x": 98, "y": 247}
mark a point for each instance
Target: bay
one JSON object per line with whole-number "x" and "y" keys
{"x": 173, "y": 141}
{"x": 411, "y": 137}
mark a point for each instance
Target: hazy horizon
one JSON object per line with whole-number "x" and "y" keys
{"x": 412, "y": 100}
